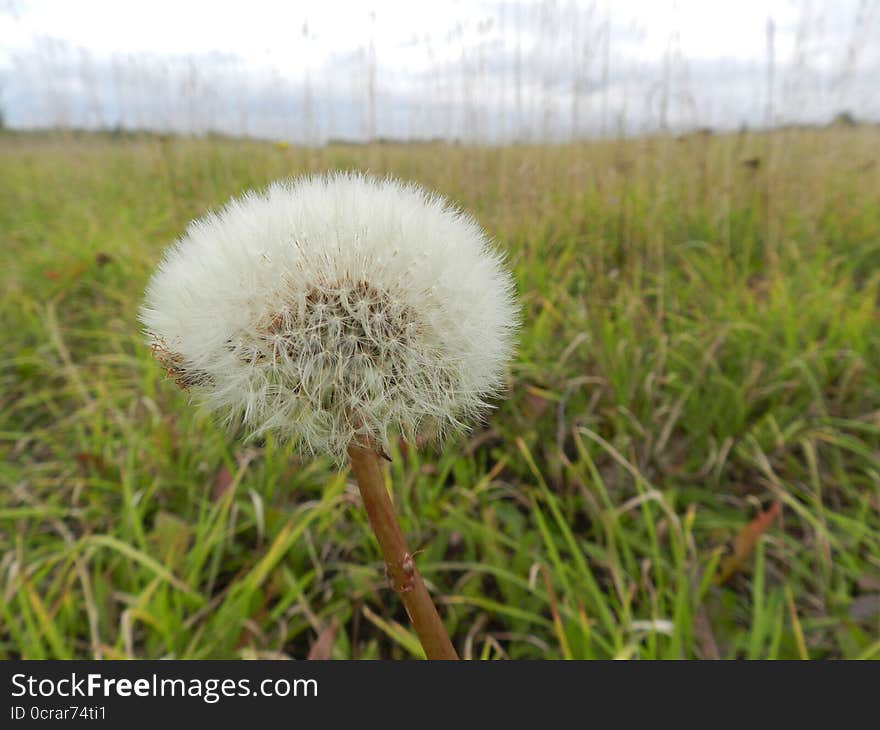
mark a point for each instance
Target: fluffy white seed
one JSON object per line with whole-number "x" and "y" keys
{"x": 333, "y": 308}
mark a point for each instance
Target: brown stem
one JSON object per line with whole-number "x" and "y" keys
{"x": 404, "y": 575}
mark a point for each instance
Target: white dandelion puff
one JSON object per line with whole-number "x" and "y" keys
{"x": 335, "y": 309}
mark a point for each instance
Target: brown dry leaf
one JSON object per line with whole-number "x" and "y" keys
{"x": 536, "y": 402}
{"x": 222, "y": 483}
{"x": 323, "y": 646}
{"x": 85, "y": 460}
{"x": 745, "y": 541}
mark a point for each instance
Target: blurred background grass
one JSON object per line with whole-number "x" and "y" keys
{"x": 687, "y": 463}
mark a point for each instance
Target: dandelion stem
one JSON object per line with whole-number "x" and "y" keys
{"x": 401, "y": 566}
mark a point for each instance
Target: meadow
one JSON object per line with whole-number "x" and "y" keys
{"x": 686, "y": 465}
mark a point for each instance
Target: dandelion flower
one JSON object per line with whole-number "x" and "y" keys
{"x": 335, "y": 311}
{"x": 335, "y": 308}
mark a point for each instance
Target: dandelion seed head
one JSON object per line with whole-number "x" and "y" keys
{"x": 335, "y": 308}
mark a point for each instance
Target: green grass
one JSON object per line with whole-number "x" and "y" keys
{"x": 701, "y": 340}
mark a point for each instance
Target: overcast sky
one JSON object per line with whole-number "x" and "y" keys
{"x": 485, "y": 71}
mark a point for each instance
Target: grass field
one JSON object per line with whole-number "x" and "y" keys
{"x": 687, "y": 463}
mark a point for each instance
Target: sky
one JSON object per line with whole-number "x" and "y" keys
{"x": 479, "y": 71}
